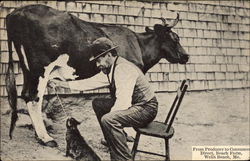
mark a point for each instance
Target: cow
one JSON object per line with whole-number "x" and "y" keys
{"x": 44, "y": 37}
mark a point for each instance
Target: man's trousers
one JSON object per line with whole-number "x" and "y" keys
{"x": 112, "y": 123}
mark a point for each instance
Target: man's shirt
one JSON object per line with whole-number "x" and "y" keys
{"x": 125, "y": 76}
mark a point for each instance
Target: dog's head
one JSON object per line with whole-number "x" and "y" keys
{"x": 72, "y": 123}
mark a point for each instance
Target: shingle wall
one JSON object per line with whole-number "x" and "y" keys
{"x": 215, "y": 34}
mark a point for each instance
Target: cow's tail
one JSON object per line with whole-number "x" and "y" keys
{"x": 11, "y": 87}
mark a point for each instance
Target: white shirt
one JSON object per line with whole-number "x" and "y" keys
{"x": 125, "y": 77}
{"x": 99, "y": 80}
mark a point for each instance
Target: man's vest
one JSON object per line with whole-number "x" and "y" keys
{"x": 142, "y": 91}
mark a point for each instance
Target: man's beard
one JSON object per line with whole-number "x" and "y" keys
{"x": 106, "y": 70}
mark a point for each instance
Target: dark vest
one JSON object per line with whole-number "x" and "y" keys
{"x": 112, "y": 87}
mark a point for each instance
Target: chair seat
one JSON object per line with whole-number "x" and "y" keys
{"x": 157, "y": 129}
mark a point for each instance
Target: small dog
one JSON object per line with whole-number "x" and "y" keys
{"x": 77, "y": 147}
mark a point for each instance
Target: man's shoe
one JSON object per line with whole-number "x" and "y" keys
{"x": 51, "y": 143}
{"x": 104, "y": 142}
{"x": 129, "y": 139}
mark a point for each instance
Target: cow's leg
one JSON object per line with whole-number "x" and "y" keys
{"x": 35, "y": 111}
{"x": 35, "y": 106}
{"x": 33, "y": 91}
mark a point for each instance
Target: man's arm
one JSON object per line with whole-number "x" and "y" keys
{"x": 97, "y": 81}
{"x": 55, "y": 82}
{"x": 125, "y": 78}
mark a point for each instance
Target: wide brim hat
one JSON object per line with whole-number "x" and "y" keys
{"x": 100, "y": 47}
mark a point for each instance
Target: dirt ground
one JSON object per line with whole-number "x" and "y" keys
{"x": 213, "y": 118}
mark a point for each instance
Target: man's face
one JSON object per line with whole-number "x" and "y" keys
{"x": 104, "y": 63}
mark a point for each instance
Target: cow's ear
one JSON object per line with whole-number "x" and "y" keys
{"x": 78, "y": 122}
{"x": 159, "y": 29}
{"x": 147, "y": 29}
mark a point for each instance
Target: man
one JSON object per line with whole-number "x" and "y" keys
{"x": 132, "y": 104}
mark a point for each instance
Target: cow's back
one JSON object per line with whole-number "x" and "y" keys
{"x": 47, "y": 33}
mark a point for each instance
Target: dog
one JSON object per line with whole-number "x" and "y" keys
{"x": 76, "y": 147}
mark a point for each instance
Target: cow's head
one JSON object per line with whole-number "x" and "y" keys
{"x": 170, "y": 47}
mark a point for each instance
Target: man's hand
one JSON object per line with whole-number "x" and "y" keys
{"x": 53, "y": 83}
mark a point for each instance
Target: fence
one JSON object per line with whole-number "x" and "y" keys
{"x": 215, "y": 34}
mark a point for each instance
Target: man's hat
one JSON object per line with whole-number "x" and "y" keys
{"x": 100, "y": 47}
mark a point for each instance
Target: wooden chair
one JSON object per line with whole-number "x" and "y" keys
{"x": 161, "y": 129}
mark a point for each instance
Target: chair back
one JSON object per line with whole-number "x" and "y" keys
{"x": 176, "y": 104}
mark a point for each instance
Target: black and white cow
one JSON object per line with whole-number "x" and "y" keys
{"x": 44, "y": 38}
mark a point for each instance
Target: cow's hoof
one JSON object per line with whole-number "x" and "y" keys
{"x": 51, "y": 143}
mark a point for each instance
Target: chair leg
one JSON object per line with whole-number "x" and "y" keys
{"x": 134, "y": 149}
{"x": 167, "y": 150}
